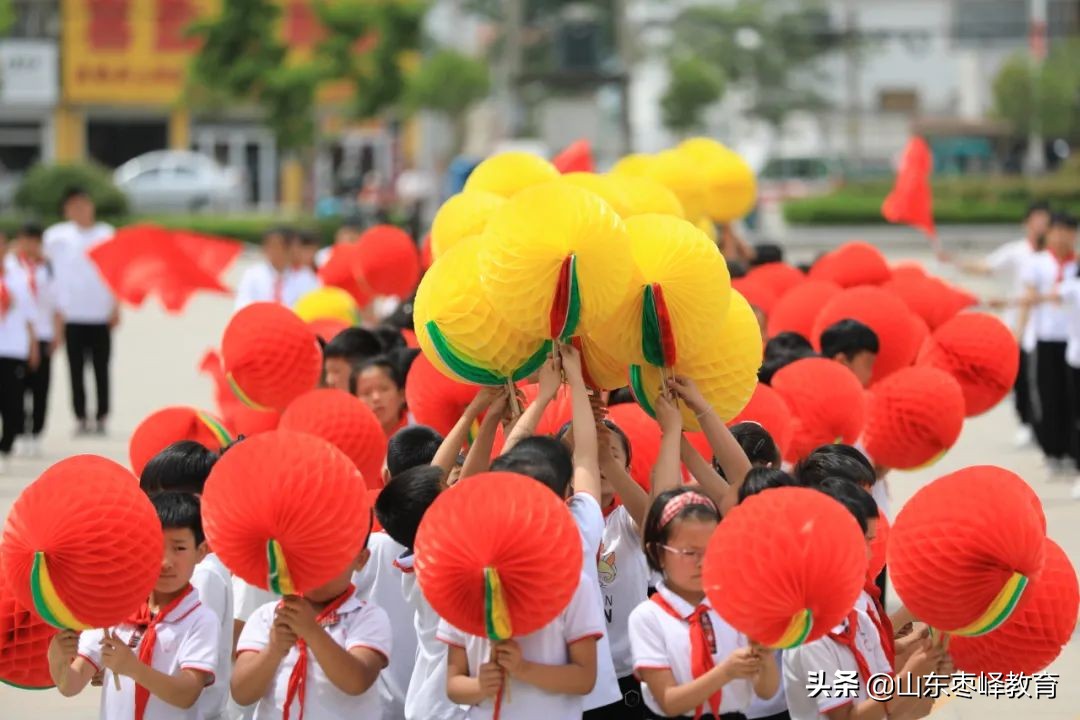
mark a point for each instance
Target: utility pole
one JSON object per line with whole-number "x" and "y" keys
{"x": 1036, "y": 157}
{"x": 515, "y": 18}
{"x": 624, "y": 51}
{"x": 851, "y": 78}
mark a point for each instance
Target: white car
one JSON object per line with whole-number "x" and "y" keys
{"x": 178, "y": 180}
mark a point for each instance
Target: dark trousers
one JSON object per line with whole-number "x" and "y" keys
{"x": 12, "y": 377}
{"x": 1022, "y": 390}
{"x": 631, "y": 707}
{"x": 1073, "y": 390}
{"x": 1055, "y": 420}
{"x": 95, "y": 342}
{"x": 37, "y": 389}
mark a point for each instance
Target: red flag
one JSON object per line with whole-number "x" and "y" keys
{"x": 911, "y": 201}
{"x": 577, "y": 157}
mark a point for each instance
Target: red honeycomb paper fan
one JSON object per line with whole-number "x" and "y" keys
{"x": 778, "y": 277}
{"x": 826, "y": 402}
{"x": 434, "y": 399}
{"x": 24, "y": 644}
{"x": 980, "y": 352}
{"x": 173, "y": 424}
{"x": 963, "y": 548}
{"x": 933, "y": 300}
{"x": 270, "y": 356}
{"x": 757, "y": 293}
{"x": 797, "y": 309}
{"x": 786, "y": 566}
{"x": 388, "y": 260}
{"x": 286, "y": 511}
{"x": 1038, "y": 629}
{"x": 913, "y": 417}
{"x": 768, "y": 409}
{"x": 344, "y": 421}
{"x": 82, "y": 544}
{"x": 509, "y": 524}
{"x": 852, "y": 264}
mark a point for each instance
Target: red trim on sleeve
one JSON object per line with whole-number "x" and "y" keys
{"x": 92, "y": 663}
{"x": 372, "y": 648}
{"x": 649, "y": 667}
{"x": 241, "y": 651}
{"x": 590, "y": 636}
{"x": 204, "y": 670}
{"x": 449, "y": 642}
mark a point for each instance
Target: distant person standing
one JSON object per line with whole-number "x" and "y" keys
{"x": 88, "y": 306}
{"x": 18, "y": 354}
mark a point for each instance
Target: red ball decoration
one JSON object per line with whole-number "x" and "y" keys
{"x": 434, "y": 399}
{"x": 344, "y": 421}
{"x": 24, "y": 644}
{"x": 931, "y": 299}
{"x": 426, "y": 258}
{"x": 270, "y": 356}
{"x": 509, "y": 524}
{"x": 878, "y": 548}
{"x": 963, "y": 548}
{"x": 797, "y": 310}
{"x": 327, "y": 328}
{"x": 388, "y": 261}
{"x": 757, "y": 293}
{"x": 173, "y": 424}
{"x": 887, "y": 315}
{"x": 778, "y": 277}
{"x": 786, "y": 566}
{"x": 980, "y": 352}
{"x": 913, "y": 417}
{"x": 852, "y": 264}
{"x": 286, "y": 511}
{"x": 338, "y": 271}
{"x": 82, "y": 545}
{"x": 1038, "y": 629}
{"x": 906, "y": 270}
{"x": 826, "y": 402}
{"x": 768, "y": 409}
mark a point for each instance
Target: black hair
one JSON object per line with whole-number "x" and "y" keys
{"x": 390, "y": 337}
{"x": 402, "y": 317}
{"x": 73, "y": 191}
{"x": 736, "y": 269}
{"x": 848, "y": 338}
{"x": 1065, "y": 220}
{"x": 836, "y": 460}
{"x": 281, "y": 231}
{"x": 410, "y": 447}
{"x": 30, "y": 230}
{"x": 404, "y": 357}
{"x": 542, "y": 458}
{"x": 1037, "y": 206}
{"x": 610, "y": 425}
{"x": 654, "y": 536}
{"x": 857, "y": 500}
{"x": 760, "y": 479}
{"x": 180, "y": 467}
{"x": 757, "y": 443}
{"x": 620, "y": 396}
{"x": 179, "y": 510}
{"x": 353, "y": 223}
{"x": 354, "y": 345}
{"x": 383, "y": 362}
{"x": 305, "y": 237}
{"x": 402, "y": 503}
{"x": 781, "y": 351}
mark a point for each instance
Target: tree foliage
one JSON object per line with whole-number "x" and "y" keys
{"x": 693, "y": 86}
{"x": 7, "y": 16}
{"x": 448, "y": 82}
{"x": 1042, "y": 98}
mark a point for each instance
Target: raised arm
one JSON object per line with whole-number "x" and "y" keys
{"x": 586, "y": 448}
{"x": 714, "y": 486}
{"x": 550, "y": 378}
{"x": 446, "y": 456}
{"x": 479, "y": 458}
{"x": 666, "y": 473}
{"x": 634, "y": 498}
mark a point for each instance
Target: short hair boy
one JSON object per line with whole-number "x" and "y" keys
{"x": 411, "y": 447}
{"x": 851, "y": 343}
{"x": 349, "y": 349}
{"x": 180, "y": 467}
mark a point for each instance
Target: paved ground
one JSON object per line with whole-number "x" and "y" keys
{"x": 155, "y": 365}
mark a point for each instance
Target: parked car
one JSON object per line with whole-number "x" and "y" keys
{"x": 179, "y": 181}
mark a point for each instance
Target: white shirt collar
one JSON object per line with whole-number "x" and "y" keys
{"x": 677, "y": 603}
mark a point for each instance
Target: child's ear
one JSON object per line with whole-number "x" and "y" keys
{"x": 362, "y": 559}
{"x": 385, "y": 475}
{"x": 201, "y": 551}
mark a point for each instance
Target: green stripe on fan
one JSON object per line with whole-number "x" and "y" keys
{"x": 637, "y": 388}
{"x": 652, "y": 346}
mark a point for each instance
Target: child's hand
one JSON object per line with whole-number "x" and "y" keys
{"x": 282, "y": 638}
{"x": 297, "y": 613}
{"x": 571, "y": 364}
{"x": 743, "y": 664}
{"x": 484, "y": 399}
{"x": 117, "y": 656}
{"x": 549, "y": 379}
{"x": 490, "y": 679}
{"x": 667, "y": 416}
{"x": 508, "y": 657}
{"x": 64, "y": 647}
{"x": 924, "y": 659}
{"x": 688, "y": 390}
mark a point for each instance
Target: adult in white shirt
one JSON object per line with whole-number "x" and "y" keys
{"x": 18, "y": 353}
{"x": 1042, "y": 277}
{"x": 275, "y": 278}
{"x": 1007, "y": 263}
{"x": 88, "y": 306}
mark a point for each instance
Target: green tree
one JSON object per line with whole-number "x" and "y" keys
{"x": 1042, "y": 98}
{"x": 7, "y": 16}
{"x": 449, "y": 83}
{"x": 693, "y": 86}
{"x": 1014, "y": 93}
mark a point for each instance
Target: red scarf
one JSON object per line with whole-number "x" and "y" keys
{"x": 31, "y": 273}
{"x": 147, "y": 622}
{"x": 279, "y": 287}
{"x": 702, "y": 642}
{"x": 1061, "y": 263}
{"x": 847, "y": 639}
{"x": 882, "y": 622}
{"x": 5, "y": 297}
{"x": 298, "y": 678}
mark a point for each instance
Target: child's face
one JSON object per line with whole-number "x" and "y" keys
{"x": 607, "y": 490}
{"x": 339, "y": 584}
{"x": 862, "y": 365}
{"x": 276, "y": 249}
{"x": 29, "y": 246}
{"x": 691, "y": 535}
{"x": 1038, "y": 223}
{"x": 871, "y": 535}
{"x": 178, "y": 563}
{"x": 338, "y": 371}
{"x": 379, "y": 392}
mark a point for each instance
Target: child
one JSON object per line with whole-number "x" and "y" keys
{"x": 853, "y": 344}
{"x": 782, "y": 350}
{"x": 28, "y": 259}
{"x": 18, "y": 355}
{"x": 757, "y": 443}
{"x": 380, "y": 383}
{"x": 184, "y": 467}
{"x": 760, "y": 479}
{"x": 689, "y": 660}
{"x": 349, "y": 349}
{"x": 411, "y": 447}
{"x": 265, "y": 281}
{"x": 314, "y": 657}
{"x": 166, "y": 655}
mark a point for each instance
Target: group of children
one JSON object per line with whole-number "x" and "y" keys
{"x": 639, "y": 638}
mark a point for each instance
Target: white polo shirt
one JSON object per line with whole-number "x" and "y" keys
{"x": 186, "y": 640}
{"x": 1070, "y": 302}
{"x": 1007, "y": 263}
{"x": 246, "y": 600}
{"x": 82, "y": 295}
{"x": 298, "y": 283}
{"x": 660, "y": 641}
{"x": 827, "y": 656}
{"x": 548, "y": 646}
{"x": 624, "y": 583}
{"x": 590, "y": 522}
{"x": 214, "y": 585}
{"x": 379, "y": 582}
{"x": 15, "y": 323}
{"x": 358, "y": 624}
{"x": 1043, "y": 273}
{"x": 426, "y": 698}
{"x": 42, "y": 292}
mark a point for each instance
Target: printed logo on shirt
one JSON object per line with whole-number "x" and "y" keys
{"x": 606, "y": 567}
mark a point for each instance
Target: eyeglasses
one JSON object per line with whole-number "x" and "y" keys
{"x": 685, "y": 553}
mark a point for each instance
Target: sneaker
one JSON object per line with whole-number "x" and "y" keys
{"x": 99, "y": 427}
{"x": 1024, "y": 437}
{"x": 82, "y": 429}
{"x": 1055, "y": 468}
{"x": 1076, "y": 489}
{"x": 33, "y": 446}
{"x": 21, "y": 447}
